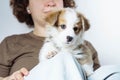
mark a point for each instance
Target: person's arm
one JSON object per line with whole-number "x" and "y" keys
{"x": 6, "y": 51}
{"x": 18, "y": 75}
{"x": 4, "y": 59}
{"x": 1, "y": 78}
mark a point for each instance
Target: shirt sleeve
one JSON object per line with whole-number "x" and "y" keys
{"x": 4, "y": 59}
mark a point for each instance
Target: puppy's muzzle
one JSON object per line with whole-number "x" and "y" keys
{"x": 69, "y": 38}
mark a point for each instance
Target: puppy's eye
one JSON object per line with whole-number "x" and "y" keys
{"x": 63, "y": 26}
{"x": 75, "y": 29}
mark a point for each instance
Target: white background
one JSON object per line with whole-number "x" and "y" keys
{"x": 104, "y": 34}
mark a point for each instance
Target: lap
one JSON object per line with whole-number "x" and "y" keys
{"x": 60, "y": 67}
{"x": 66, "y": 67}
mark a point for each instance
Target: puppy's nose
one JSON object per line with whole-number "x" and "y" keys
{"x": 69, "y": 38}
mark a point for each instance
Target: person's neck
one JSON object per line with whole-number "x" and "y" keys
{"x": 39, "y": 31}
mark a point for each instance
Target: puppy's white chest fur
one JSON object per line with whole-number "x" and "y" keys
{"x": 50, "y": 49}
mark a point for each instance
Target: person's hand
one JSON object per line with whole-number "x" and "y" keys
{"x": 18, "y": 75}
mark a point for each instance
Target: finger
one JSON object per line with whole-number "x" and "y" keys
{"x": 24, "y": 71}
{"x": 18, "y": 75}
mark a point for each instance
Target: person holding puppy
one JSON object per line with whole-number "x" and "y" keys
{"x": 19, "y": 53}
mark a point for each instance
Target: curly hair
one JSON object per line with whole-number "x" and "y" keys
{"x": 20, "y": 12}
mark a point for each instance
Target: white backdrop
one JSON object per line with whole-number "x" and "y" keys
{"x": 104, "y": 33}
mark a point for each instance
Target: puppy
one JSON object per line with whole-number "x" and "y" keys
{"x": 65, "y": 29}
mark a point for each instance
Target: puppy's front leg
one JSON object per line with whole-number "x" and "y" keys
{"x": 47, "y": 51}
{"x": 88, "y": 69}
{"x": 51, "y": 54}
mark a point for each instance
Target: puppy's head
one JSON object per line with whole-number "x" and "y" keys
{"x": 70, "y": 25}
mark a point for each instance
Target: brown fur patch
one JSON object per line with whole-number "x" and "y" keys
{"x": 85, "y": 21}
{"x": 52, "y": 17}
{"x": 61, "y": 20}
{"x": 61, "y": 17}
{"x": 78, "y": 27}
{"x": 56, "y": 19}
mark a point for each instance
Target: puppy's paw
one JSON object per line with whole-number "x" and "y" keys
{"x": 89, "y": 73}
{"x": 51, "y": 54}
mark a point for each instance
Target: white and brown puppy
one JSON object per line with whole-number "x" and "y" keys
{"x": 65, "y": 30}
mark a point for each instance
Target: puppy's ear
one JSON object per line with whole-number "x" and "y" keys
{"x": 52, "y": 18}
{"x": 85, "y": 23}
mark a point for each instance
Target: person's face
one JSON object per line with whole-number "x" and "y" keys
{"x": 40, "y": 8}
